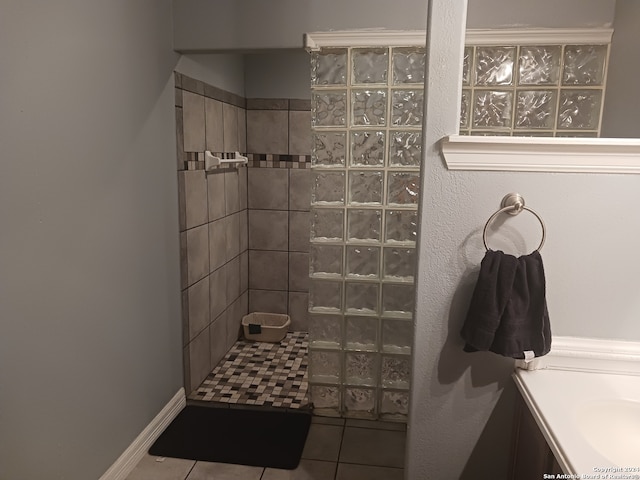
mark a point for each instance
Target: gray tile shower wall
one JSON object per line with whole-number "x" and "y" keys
{"x": 213, "y": 225}
{"x": 244, "y": 233}
{"x": 279, "y": 184}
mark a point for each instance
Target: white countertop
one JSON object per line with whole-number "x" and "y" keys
{"x": 565, "y": 404}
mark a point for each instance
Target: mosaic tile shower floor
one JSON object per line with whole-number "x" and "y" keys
{"x": 260, "y": 373}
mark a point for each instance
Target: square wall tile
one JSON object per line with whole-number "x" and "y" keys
{"x": 217, "y": 292}
{"x": 268, "y": 188}
{"x": 244, "y": 230}
{"x": 232, "y": 192}
{"x": 235, "y": 312}
{"x": 230, "y": 132}
{"x": 199, "y": 358}
{"x": 298, "y": 272}
{"x": 299, "y": 231}
{"x": 242, "y": 187}
{"x": 268, "y": 230}
{"x": 268, "y": 270}
{"x": 242, "y": 130}
{"x": 299, "y": 311}
{"x": 269, "y": 301}
{"x": 197, "y": 253}
{"x": 214, "y": 125}
{"x": 218, "y": 243}
{"x": 216, "y": 195}
{"x": 218, "y": 339}
{"x": 192, "y": 198}
{"x": 180, "y": 155}
{"x": 184, "y": 264}
{"x": 232, "y": 275}
{"x": 197, "y": 307}
{"x": 300, "y": 133}
{"x": 233, "y": 236}
{"x": 300, "y": 189}
{"x": 267, "y": 131}
{"x": 193, "y": 122}
{"x": 244, "y": 271}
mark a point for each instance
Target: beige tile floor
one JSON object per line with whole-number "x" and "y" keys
{"x": 335, "y": 450}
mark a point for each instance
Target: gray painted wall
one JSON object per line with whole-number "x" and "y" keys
{"x": 460, "y": 402}
{"x": 541, "y": 13}
{"x": 223, "y": 70}
{"x": 258, "y": 25}
{"x": 622, "y": 102}
{"x": 278, "y": 74}
{"x": 90, "y": 343}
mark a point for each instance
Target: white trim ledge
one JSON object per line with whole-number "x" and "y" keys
{"x": 542, "y": 154}
{"x": 588, "y": 355}
{"x": 123, "y": 466}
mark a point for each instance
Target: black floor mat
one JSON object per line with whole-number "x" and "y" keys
{"x": 247, "y": 437}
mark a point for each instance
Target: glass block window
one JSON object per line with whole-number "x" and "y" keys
{"x": 533, "y": 90}
{"x": 367, "y": 108}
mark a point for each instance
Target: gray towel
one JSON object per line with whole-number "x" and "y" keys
{"x": 508, "y": 311}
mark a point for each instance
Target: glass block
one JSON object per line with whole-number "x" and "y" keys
{"x": 364, "y": 225}
{"x": 362, "y": 298}
{"x": 494, "y": 65}
{"x": 329, "y": 67}
{"x": 328, "y": 109}
{"x": 579, "y": 109}
{"x": 466, "y": 66}
{"x": 325, "y": 296}
{"x": 539, "y": 65}
{"x": 464, "y": 108}
{"x": 405, "y": 149}
{"x": 325, "y": 331}
{"x": 369, "y": 107}
{"x": 401, "y": 226}
{"x": 361, "y": 333}
{"x": 327, "y": 224}
{"x": 397, "y": 300}
{"x": 394, "y": 404}
{"x": 407, "y": 106}
{"x": 370, "y": 65}
{"x": 325, "y": 397}
{"x": 325, "y": 260}
{"x": 397, "y": 336}
{"x": 360, "y": 368}
{"x": 327, "y": 188}
{"x": 492, "y": 108}
{"x": 584, "y": 64}
{"x": 359, "y": 402}
{"x": 404, "y": 188}
{"x": 365, "y": 188}
{"x": 535, "y": 109}
{"x": 329, "y": 149}
{"x": 396, "y": 371}
{"x": 324, "y": 366}
{"x": 399, "y": 263}
{"x": 363, "y": 262}
{"x": 408, "y": 65}
{"x": 367, "y": 149}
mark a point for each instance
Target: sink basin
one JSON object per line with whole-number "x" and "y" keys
{"x": 612, "y": 428}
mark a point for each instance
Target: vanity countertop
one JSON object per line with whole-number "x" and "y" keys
{"x": 590, "y": 420}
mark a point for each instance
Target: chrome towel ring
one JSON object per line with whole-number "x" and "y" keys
{"x": 513, "y": 204}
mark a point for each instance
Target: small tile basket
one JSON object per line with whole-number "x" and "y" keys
{"x": 265, "y": 327}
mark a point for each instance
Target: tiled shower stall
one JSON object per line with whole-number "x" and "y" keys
{"x": 322, "y": 223}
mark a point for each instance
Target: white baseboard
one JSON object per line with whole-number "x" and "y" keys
{"x": 138, "y": 448}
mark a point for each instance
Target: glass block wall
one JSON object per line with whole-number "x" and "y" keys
{"x": 366, "y": 120}
{"x": 540, "y": 90}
